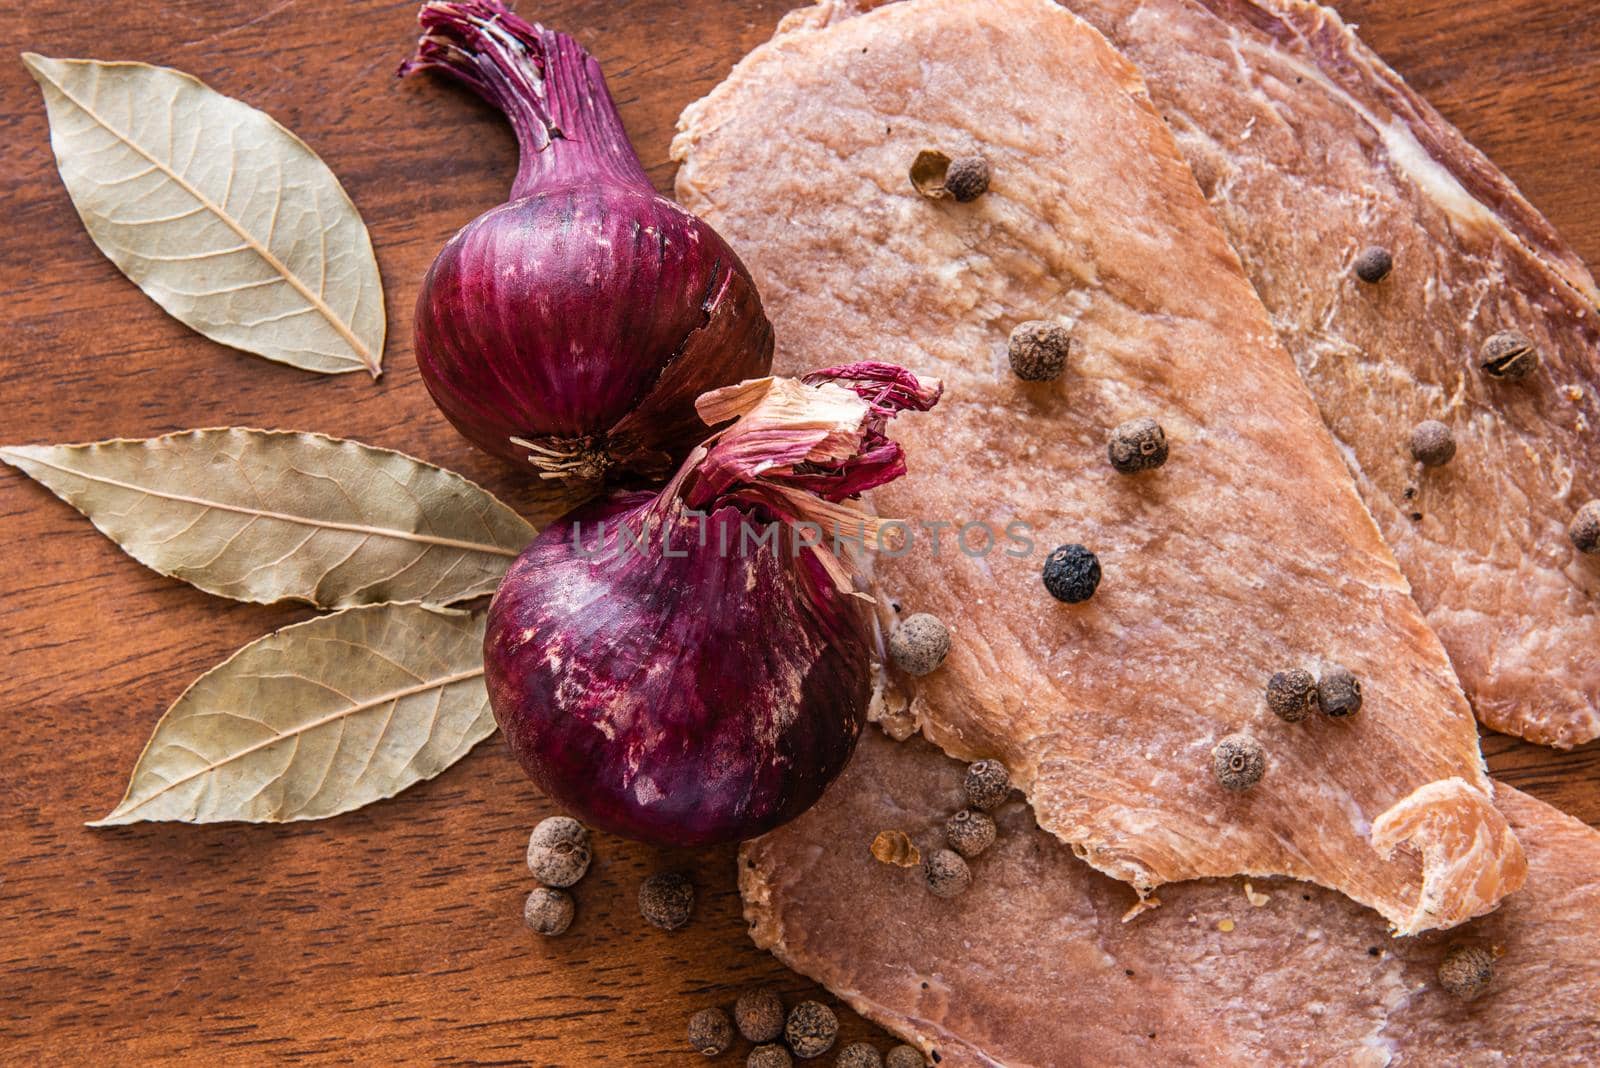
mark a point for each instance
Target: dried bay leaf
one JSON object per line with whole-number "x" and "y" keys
{"x": 222, "y": 216}
{"x": 319, "y": 718}
{"x": 267, "y": 516}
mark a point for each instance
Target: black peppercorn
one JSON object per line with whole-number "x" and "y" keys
{"x": 859, "y": 1055}
{"x": 1339, "y": 692}
{"x": 666, "y": 900}
{"x": 769, "y": 1057}
{"x": 1292, "y": 694}
{"x": 1038, "y": 350}
{"x": 1137, "y": 445}
{"x": 1238, "y": 762}
{"x": 904, "y": 1057}
{"x": 1466, "y": 971}
{"x": 558, "y": 851}
{"x": 759, "y": 1014}
{"x": 1585, "y": 528}
{"x": 968, "y": 178}
{"x": 1072, "y": 574}
{"x": 710, "y": 1032}
{"x": 987, "y": 784}
{"x": 1432, "y": 443}
{"x": 1508, "y": 354}
{"x": 811, "y": 1029}
{"x": 947, "y": 874}
{"x": 1374, "y": 264}
{"x": 969, "y": 832}
{"x": 919, "y": 644}
{"x": 547, "y": 912}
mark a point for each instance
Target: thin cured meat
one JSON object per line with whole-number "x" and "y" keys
{"x": 1034, "y": 965}
{"x": 1311, "y": 148}
{"x": 1247, "y": 553}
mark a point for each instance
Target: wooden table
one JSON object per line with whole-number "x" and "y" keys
{"x": 394, "y": 933}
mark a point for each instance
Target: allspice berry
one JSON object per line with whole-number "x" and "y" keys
{"x": 969, "y": 832}
{"x": 769, "y": 1057}
{"x": 1071, "y": 574}
{"x": 1466, "y": 971}
{"x": 1432, "y": 443}
{"x": 1038, "y": 350}
{"x": 1585, "y": 528}
{"x": 1339, "y": 692}
{"x": 710, "y": 1032}
{"x": 1238, "y": 762}
{"x": 558, "y": 851}
{"x": 1292, "y": 694}
{"x": 968, "y": 178}
{"x": 811, "y": 1029}
{"x": 1374, "y": 264}
{"x": 859, "y": 1055}
{"x": 903, "y": 1056}
{"x": 919, "y": 644}
{"x": 666, "y": 900}
{"x": 548, "y": 912}
{"x": 947, "y": 874}
{"x": 1508, "y": 354}
{"x": 758, "y": 1014}
{"x": 1137, "y": 445}
{"x": 987, "y": 784}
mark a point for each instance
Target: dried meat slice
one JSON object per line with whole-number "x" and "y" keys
{"x": 1311, "y": 148}
{"x": 1034, "y": 965}
{"x": 1248, "y": 552}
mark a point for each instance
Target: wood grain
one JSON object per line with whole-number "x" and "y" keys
{"x": 394, "y": 934}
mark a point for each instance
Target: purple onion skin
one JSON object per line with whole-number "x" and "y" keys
{"x": 683, "y": 701}
{"x": 587, "y": 313}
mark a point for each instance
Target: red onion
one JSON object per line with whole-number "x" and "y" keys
{"x": 666, "y": 676}
{"x": 573, "y": 327}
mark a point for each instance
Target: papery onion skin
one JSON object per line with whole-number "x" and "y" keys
{"x": 585, "y": 315}
{"x": 685, "y": 700}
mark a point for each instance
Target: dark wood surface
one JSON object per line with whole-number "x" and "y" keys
{"x": 394, "y": 934}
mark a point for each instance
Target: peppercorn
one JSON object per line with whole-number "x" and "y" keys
{"x": 969, "y": 833}
{"x": 666, "y": 900}
{"x": 1585, "y": 528}
{"x": 1137, "y": 445}
{"x": 968, "y": 178}
{"x": 1339, "y": 692}
{"x": 811, "y": 1029}
{"x": 859, "y": 1055}
{"x": 895, "y": 847}
{"x": 1292, "y": 694}
{"x": 903, "y": 1057}
{"x": 769, "y": 1057}
{"x": 1071, "y": 574}
{"x": 1238, "y": 762}
{"x": 947, "y": 874}
{"x": 928, "y": 172}
{"x": 1466, "y": 971}
{"x": 1508, "y": 354}
{"x": 759, "y": 1014}
{"x": 1432, "y": 443}
{"x": 1038, "y": 350}
{"x": 558, "y": 851}
{"x": 1374, "y": 264}
{"x": 547, "y": 911}
{"x": 987, "y": 784}
{"x": 710, "y": 1032}
{"x": 919, "y": 644}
